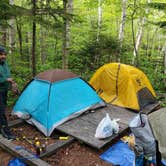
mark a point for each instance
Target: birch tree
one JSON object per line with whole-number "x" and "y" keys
{"x": 99, "y": 25}
{"x": 99, "y": 22}
{"x": 122, "y": 24}
{"x": 164, "y": 55}
{"x": 139, "y": 35}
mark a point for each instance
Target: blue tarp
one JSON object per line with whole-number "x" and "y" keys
{"x": 119, "y": 154}
{"x": 50, "y": 104}
{"x": 164, "y": 162}
{"x": 16, "y": 162}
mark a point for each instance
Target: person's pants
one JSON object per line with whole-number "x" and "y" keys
{"x": 3, "y": 103}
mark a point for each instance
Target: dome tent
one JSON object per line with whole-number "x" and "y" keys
{"x": 53, "y": 97}
{"x": 123, "y": 85}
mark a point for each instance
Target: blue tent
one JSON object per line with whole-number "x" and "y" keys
{"x": 53, "y": 97}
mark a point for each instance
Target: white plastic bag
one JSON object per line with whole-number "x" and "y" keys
{"x": 104, "y": 128}
{"x": 115, "y": 126}
{"x": 107, "y": 127}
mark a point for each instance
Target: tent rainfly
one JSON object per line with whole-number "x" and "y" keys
{"x": 53, "y": 97}
{"x": 123, "y": 85}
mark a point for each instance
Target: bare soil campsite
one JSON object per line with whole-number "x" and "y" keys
{"x": 74, "y": 153}
{"x": 82, "y": 82}
{"x": 59, "y": 150}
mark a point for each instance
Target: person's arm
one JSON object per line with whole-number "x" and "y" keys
{"x": 5, "y": 73}
{"x": 14, "y": 87}
{"x": 3, "y": 78}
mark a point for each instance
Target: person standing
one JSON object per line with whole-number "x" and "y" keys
{"x": 6, "y": 82}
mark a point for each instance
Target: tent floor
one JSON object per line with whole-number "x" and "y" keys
{"x": 83, "y": 127}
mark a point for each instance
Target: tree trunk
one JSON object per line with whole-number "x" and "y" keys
{"x": 43, "y": 45}
{"x": 122, "y": 25}
{"x": 99, "y": 24}
{"x": 34, "y": 40}
{"x": 11, "y": 32}
{"x": 4, "y": 36}
{"x": 159, "y": 44}
{"x": 147, "y": 42}
{"x": 68, "y": 6}
{"x": 164, "y": 54}
{"x": 28, "y": 49}
{"x": 153, "y": 40}
{"x": 99, "y": 20}
{"x": 133, "y": 37}
{"x": 139, "y": 36}
{"x": 132, "y": 29}
{"x": 19, "y": 31}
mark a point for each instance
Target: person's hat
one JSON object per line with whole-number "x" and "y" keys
{"x": 2, "y": 50}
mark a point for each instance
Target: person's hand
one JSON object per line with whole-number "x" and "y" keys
{"x": 15, "y": 88}
{"x": 10, "y": 80}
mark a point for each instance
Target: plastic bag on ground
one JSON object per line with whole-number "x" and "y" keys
{"x": 115, "y": 126}
{"x": 106, "y": 127}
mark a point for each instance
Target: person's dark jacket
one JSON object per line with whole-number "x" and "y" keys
{"x": 4, "y": 74}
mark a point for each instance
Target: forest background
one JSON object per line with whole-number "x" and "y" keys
{"x": 82, "y": 35}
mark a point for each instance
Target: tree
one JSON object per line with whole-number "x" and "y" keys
{"x": 19, "y": 32}
{"x": 122, "y": 25}
{"x": 34, "y": 39}
{"x": 68, "y": 6}
{"x": 99, "y": 22}
{"x": 11, "y": 30}
{"x": 164, "y": 55}
{"x": 139, "y": 34}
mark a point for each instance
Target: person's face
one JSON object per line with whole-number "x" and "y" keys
{"x": 2, "y": 56}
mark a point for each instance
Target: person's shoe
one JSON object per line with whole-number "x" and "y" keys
{"x": 5, "y": 131}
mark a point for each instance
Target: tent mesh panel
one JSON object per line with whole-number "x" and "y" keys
{"x": 145, "y": 97}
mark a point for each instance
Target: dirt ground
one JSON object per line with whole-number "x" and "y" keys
{"x": 77, "y": 154}
{"x": 74, "y": 154}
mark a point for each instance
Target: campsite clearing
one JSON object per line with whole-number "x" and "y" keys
{"x": 74, "y": 153}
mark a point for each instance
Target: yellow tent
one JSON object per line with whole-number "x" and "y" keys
{"x": 123, "y": 85}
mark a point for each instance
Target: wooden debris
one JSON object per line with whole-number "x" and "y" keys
{"x": 51, "y": 149}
